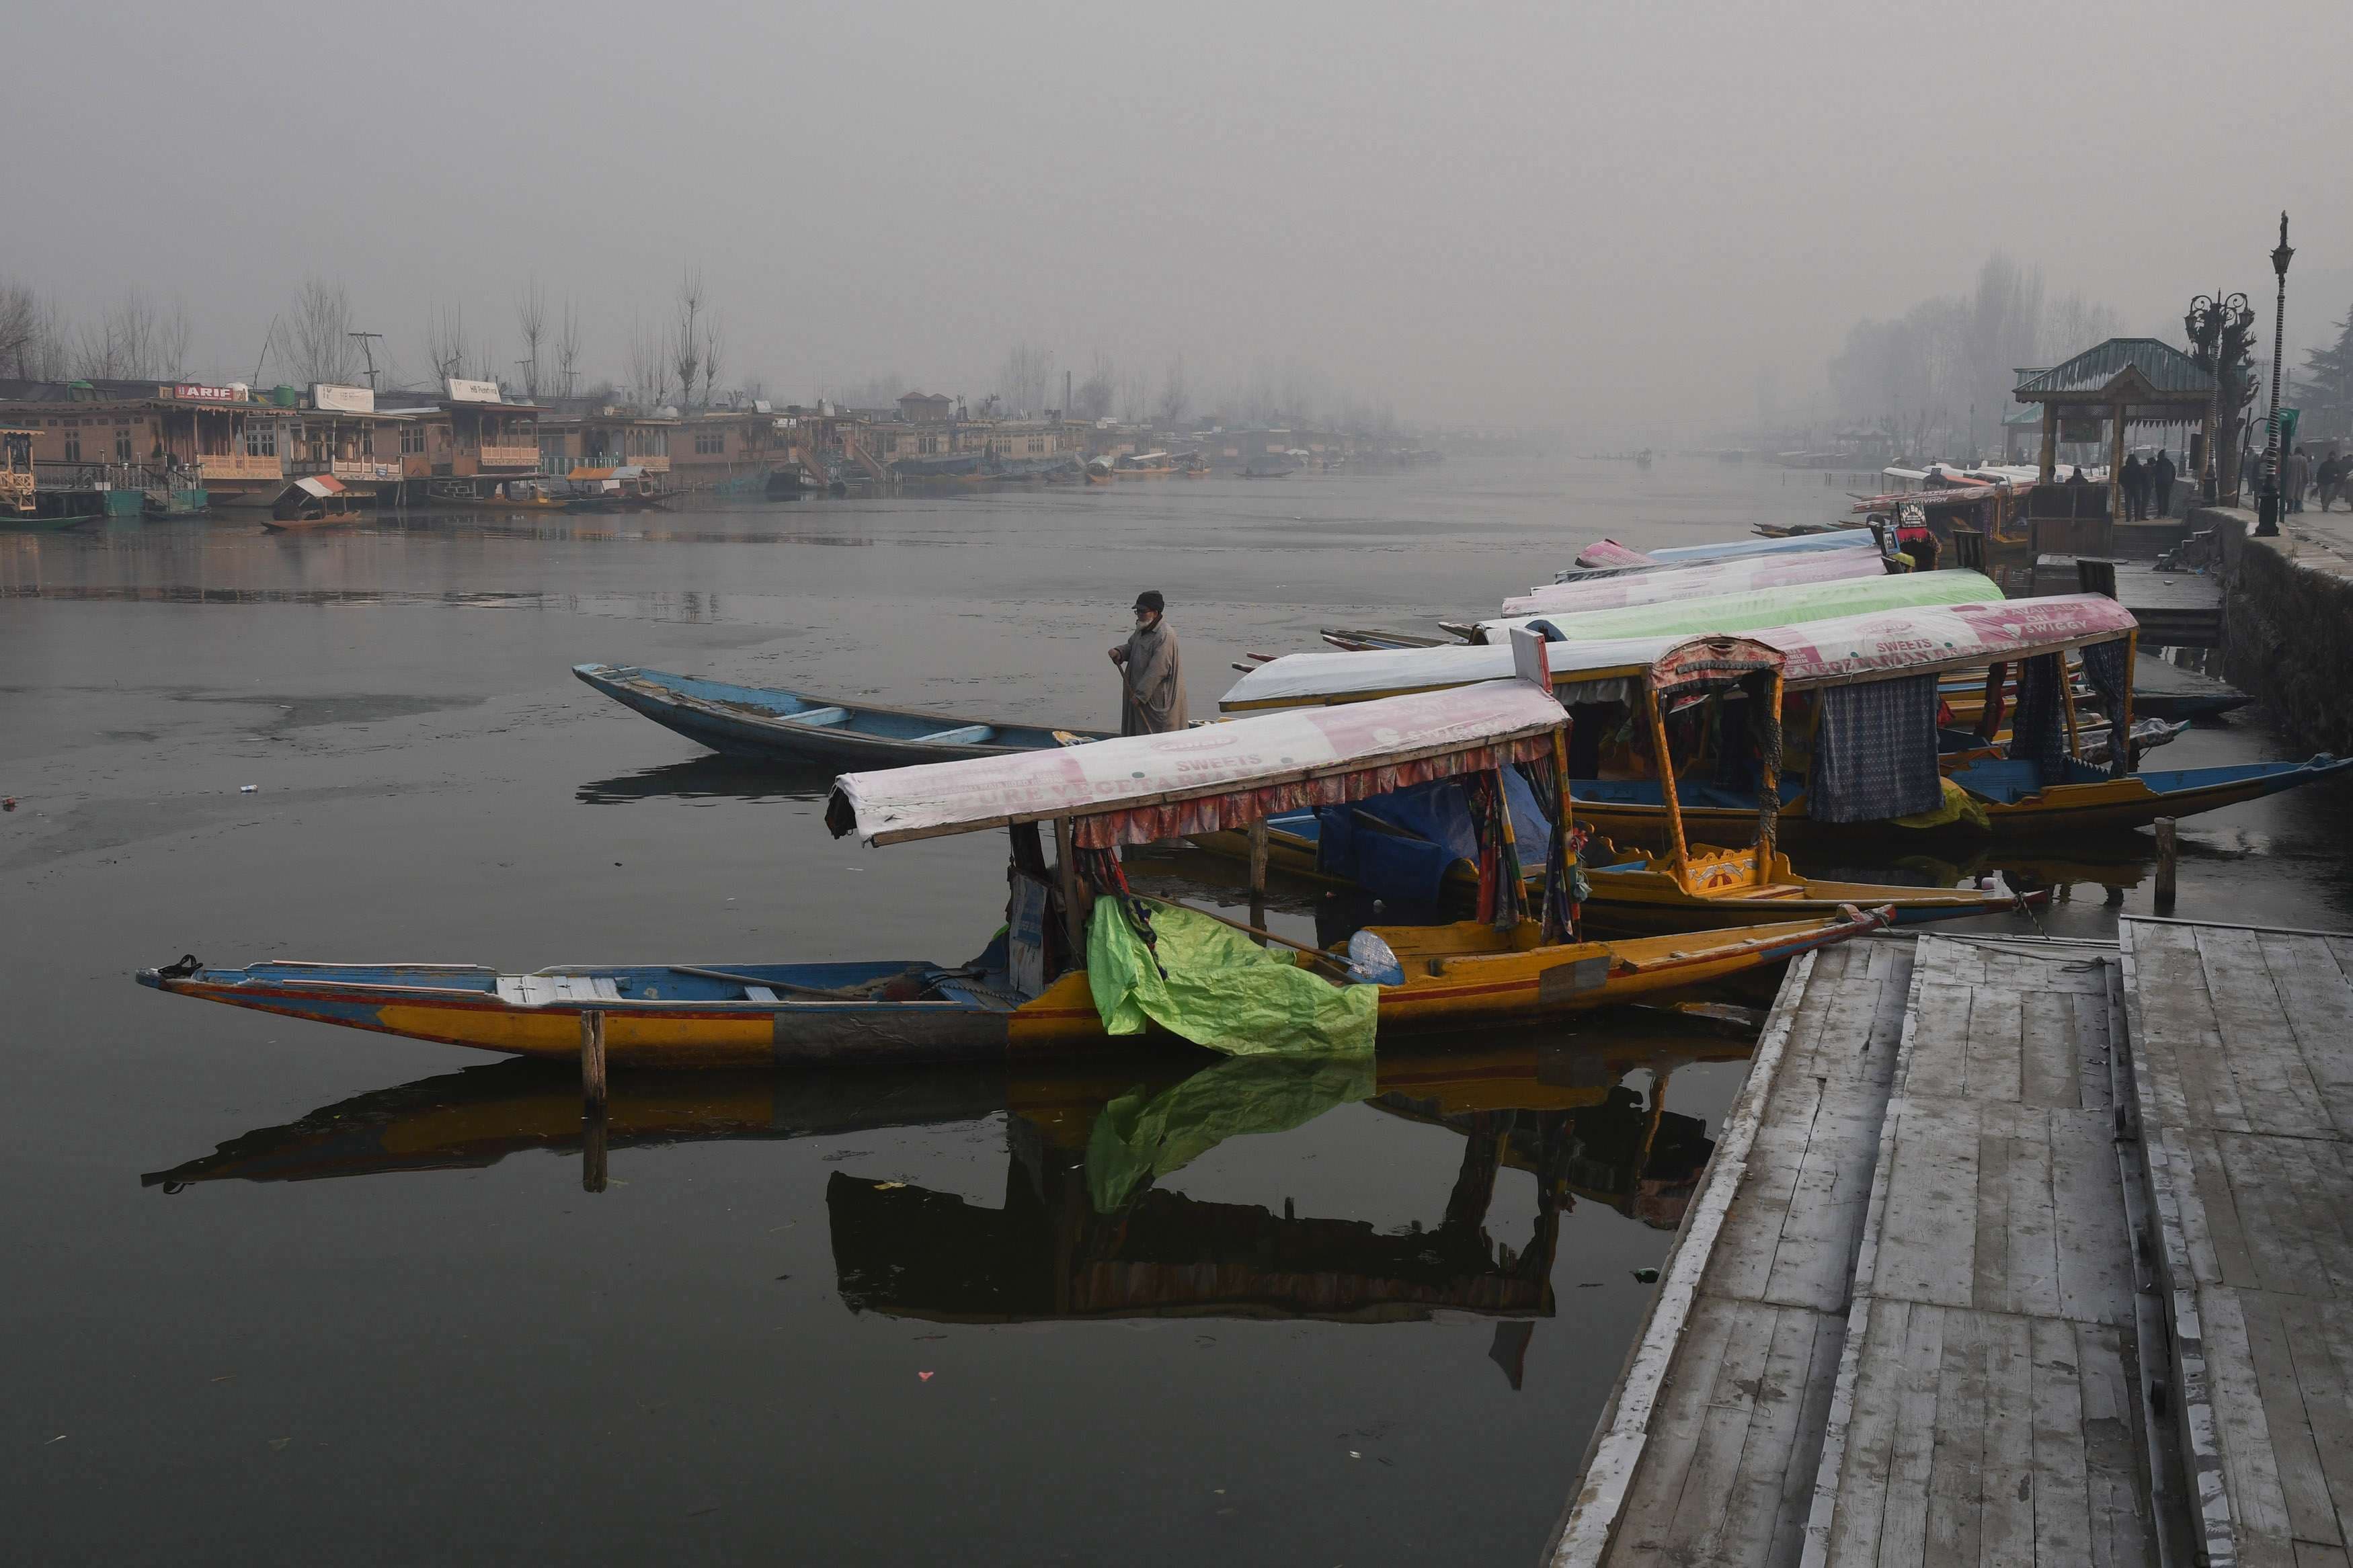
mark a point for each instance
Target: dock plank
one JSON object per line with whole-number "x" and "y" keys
{"x": 1996, "y": 1315}
{"x": 1709, "y": 1450}
{"x": 2247, "y": 1103}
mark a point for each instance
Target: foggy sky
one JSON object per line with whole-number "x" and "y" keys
{"x": 1568, "y": 214}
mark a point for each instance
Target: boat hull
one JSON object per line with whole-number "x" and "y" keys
{"x": 1455, "y": 975}
{"x": 758, "y": 722}
{"x": 2106, "y": 805}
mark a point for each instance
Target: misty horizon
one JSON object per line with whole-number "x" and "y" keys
{"x": 1649, "y": 225}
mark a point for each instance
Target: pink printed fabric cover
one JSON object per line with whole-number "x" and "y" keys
{"x": 1141, "y": 787}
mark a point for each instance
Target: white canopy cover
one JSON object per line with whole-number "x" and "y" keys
{"x": 1340, "y": 753}
{"x": 1697, "y": 582}
{"x": 1829, "y": 652}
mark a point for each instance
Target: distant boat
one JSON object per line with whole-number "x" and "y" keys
{"x": 313, "y": 502}
{"x": 756, "y": 722}
{"x": 1255, "y": 472}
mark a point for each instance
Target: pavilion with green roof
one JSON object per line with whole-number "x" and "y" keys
{"x": 2121, "y": 383}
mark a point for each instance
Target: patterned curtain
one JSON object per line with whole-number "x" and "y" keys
{"x": 1875, "y": 752}
{"x": 2038, "y": 730}
{"x": 2105, "y": 666}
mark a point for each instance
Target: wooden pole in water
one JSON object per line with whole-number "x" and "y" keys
{"x": 592, "y": 1059}
{"x": 2166, "y": 855}
{"x": 592, "y": 1150}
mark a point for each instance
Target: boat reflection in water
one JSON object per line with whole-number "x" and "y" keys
{"x": 1086, "y": 1230}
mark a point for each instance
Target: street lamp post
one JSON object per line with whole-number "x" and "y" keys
{"x": 2267, "y": 521}
{"x": 2217, "y": 324}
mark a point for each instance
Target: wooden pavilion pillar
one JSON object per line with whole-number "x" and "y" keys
{"x": 2050, "y": 441}
{"x": 2115, "y": 478}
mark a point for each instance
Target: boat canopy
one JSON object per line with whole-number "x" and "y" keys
{"x": 1754, "y": 607}
{"x": 1833, "y": 652}
{"x": 1138, "y": 788}
{"x": 1863, "y": 560}
{"x": 1607, "y": 556}
{"x": 321, "y": 486}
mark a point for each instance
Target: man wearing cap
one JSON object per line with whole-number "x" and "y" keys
{"x": 1152, "y": 685}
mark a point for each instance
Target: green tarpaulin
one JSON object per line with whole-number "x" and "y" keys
{"x": 1220, "y": 989}
{"x": 1759, "y": 607}
{"x": 1138, "y": 1137}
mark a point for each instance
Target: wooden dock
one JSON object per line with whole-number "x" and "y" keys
{"x": 1907, "y": 1319}
{"x": 2243, "y": 1067}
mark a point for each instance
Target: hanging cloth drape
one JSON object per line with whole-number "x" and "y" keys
{"x": 1501, "y": 900}
{"x": 1765, "y": 725}
{"x": 1996, "y": 690}
{"x": 1875, "y": 752}
{"x": 2105, "y": 666}
{"x": 2038, "y": 729}
{"x": 1561, "y": 894}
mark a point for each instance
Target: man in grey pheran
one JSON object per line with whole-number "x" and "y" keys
{"x": 1152, "y": 685}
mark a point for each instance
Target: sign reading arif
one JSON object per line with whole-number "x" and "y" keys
{"x": 343, "y": 399}
{"x": 472, "y": 391}
{"x": 209, "y": 393}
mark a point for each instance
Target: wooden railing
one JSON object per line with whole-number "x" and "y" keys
{"x": 239, "y": 466}
{"x": 525, "y": 456}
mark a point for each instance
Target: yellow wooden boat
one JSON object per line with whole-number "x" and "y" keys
{"x": 1393, "y": 844}
{"x": 1029, "y": 990}
{"x": 2043, "y": 788}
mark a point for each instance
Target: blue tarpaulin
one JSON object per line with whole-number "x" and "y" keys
{"x": 1435, "y": 831}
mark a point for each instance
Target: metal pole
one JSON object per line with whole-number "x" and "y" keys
{"x": 2268, "y": 522}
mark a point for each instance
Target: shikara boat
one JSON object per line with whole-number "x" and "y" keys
{"x": 43, "y": 523}
{"x": 313, "y": 502}
{"x": 1029, "y": 990}
{"x": 1607, "y": 557}
{"x": 788, "y": 726}
{"x": 1866, "y": 560}
{"x": 1417, "y": 845}
{"x": 2039, "y": 789}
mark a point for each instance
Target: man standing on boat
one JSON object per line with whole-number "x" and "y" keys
{"x": 1152, "y": 684}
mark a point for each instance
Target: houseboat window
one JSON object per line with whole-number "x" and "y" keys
{"x": 261, "y": 439}
{"x": 412, "y": 440}
{"x": 122, "y": 444}
{"x": 658, "y": 443}
{"x": 367, "y": 440}
{"x": 73, "y": 445}
{"x": 709, "y": 441}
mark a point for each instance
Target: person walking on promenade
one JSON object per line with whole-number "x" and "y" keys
{"x": 2134, "y": 479}
{"x": 1152, "y": 684}
{"x": 2160, "y": 483}
{"x": 2330, "y": 478}
{"x": 2299, "y": 479}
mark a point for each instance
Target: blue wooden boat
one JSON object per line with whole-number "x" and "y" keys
{"x": 790, "y": 726}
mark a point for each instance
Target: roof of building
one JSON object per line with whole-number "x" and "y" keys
{"x": 2165, "y": 369}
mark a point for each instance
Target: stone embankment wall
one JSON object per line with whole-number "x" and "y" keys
{"x": 2287, "y": 627}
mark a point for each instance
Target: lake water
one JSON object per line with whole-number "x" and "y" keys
{"x": 283, "y": 1292}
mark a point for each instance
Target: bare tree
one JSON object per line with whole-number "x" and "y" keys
{"x": 319, "y": 333}
{"x": 1027, "y": 373}
{"x": 713, "y": 336}
{"x": 568, "y": 346}
{"x": 686, "y": 343}
{"x": 1092, "y": 398}
{"x": 173, "y": 334}
{"x": 32, "y": 334}
{"x": 1176, "y": 396}
{"x": 452, "y": 352}
{"x": 648, "y": 363}
{"x": 530, "y": 321}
